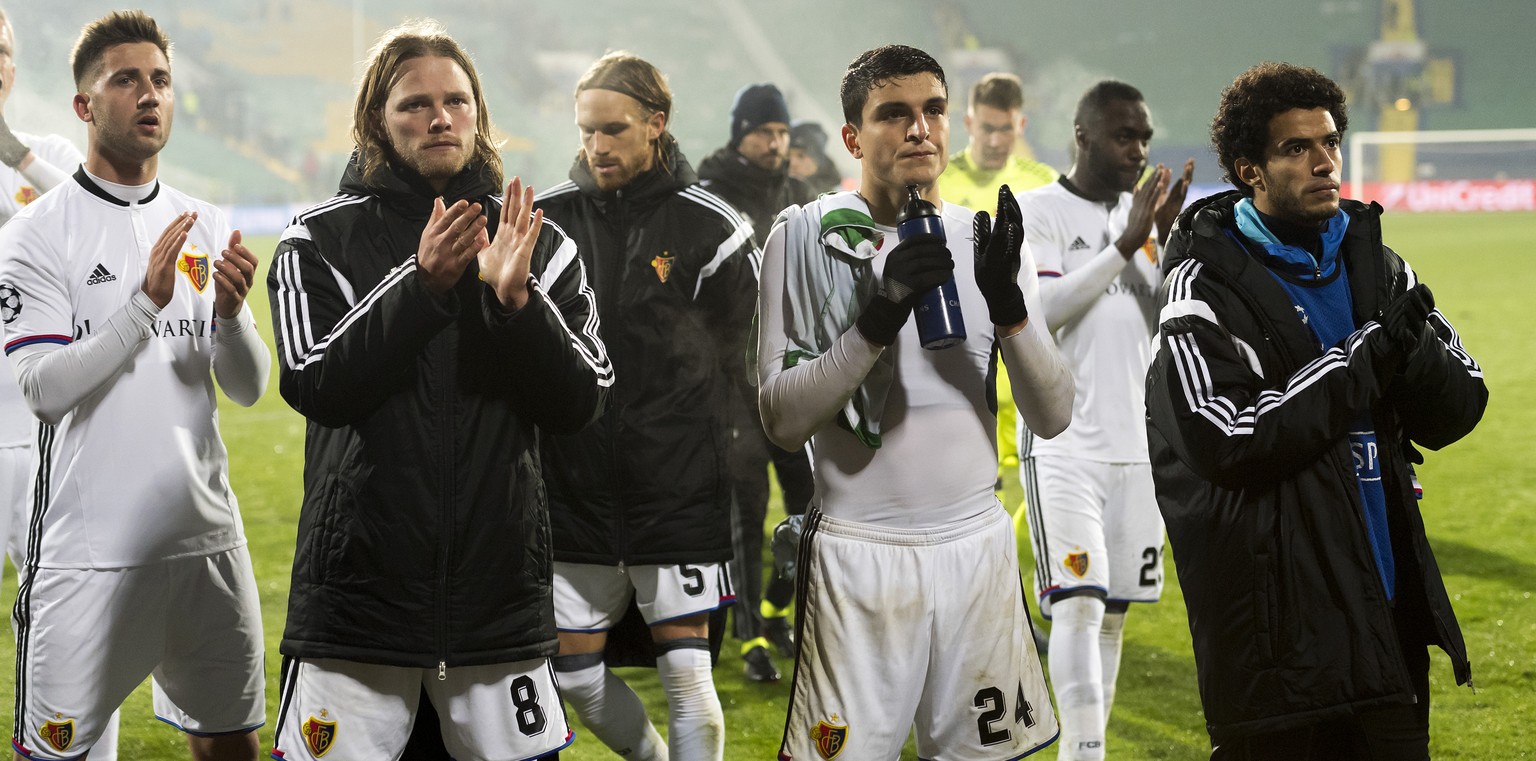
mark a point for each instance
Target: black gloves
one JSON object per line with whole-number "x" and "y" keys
{"x": 1403, "y": 319}
{"x": 917, "y": 264}
{"x": 997, "y": 260}
{"x": 786, "y": 545}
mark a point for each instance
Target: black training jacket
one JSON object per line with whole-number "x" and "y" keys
{"x": 675, "y": 272}
{"x": 1248, "y": 423}
{"x": 424, "y": 535}
{"x": 756, "y": 192}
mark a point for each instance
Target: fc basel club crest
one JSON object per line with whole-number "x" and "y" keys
{"x": 1077, "y": 562}
{"x": 59, "y": 734}
{"x": 196, "y": 267}
{"x": 829, "y": 738}
{"x": 319, "y": 735}
{"x": 26, "y": 195}
{"x": 663, "y": 266}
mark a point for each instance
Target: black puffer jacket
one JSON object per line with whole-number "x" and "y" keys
{"x": 424, "y": 535}
{"x": 1248, "y": 427}
{"x": 754, "y": 191}
{"x": 675, "y": 273}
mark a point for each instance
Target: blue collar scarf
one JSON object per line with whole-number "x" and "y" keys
{"x": 1292, "y": 259}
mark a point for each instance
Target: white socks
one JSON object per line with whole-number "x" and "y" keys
{"x": 613, "y": 712}
{"x": 1078, "y": 675}
{"x": 695, "y": 723}
{"x": 1110, "y": 638}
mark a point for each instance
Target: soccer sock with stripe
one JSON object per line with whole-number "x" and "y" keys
{"x": 695, "y": 724}
{"x": 608, "y": 707}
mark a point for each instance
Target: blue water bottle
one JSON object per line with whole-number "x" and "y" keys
{"x": 940, "y": 324}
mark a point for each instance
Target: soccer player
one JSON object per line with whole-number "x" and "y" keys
{"x": 1098, "y": 538}
{"x": 641, "y": 500}
{"x": 751, "y": 172}
{"x": 136, "y": 563}
{"x": 995, "y": 156}
{"x": 431, "y": 332}
{"x": 30, "y": 165}
{"x": 909, "y": 577}
{"x": 1300, "y": 367}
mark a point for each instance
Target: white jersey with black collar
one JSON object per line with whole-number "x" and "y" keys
{"x": 1102, "y": 310}
{"x": 52, "y": 157}
{"x": 136, "y": 472}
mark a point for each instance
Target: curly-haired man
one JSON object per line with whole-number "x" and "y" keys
{"x": 1300, "y": 362}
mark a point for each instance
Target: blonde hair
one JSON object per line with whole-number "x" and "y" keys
{"x": 413, "y": 39}
{"x": 628, "y": 74}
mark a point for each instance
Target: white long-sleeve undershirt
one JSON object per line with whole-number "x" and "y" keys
{"x": 938, "y": 456}
{"x": 43, "y": 175}
{"x": 1067, "y": 297}
{"x": 55, "y": 378}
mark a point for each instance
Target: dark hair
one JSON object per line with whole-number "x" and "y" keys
{"x": 408, "y": 41}
{"x": 1240, "y": 129}
{"x": 1093, "y": 103}
{"x": 999, "y": 90}
{"x": 874, "y": 68}
{"x": 109, "y": 31}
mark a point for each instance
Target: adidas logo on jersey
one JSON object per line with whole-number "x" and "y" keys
{"x": 100, "y": 275}
{"x": 1077, "y": 245}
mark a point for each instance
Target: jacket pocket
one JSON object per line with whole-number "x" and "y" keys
{"x": 326, "y": 533}
{"x": 1266, "y": 607}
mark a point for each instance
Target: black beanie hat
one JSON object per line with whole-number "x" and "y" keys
{"x": 756, "y": 105}
{"x": 809, "y": 137}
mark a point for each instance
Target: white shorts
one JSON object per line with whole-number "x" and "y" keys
{"x": 348, "y": 711}
{"x": 88, "y": 637}
{"x": 924, "y": 628}
{"x": 592, "y": 598}
{"x": 1095, "y": 526}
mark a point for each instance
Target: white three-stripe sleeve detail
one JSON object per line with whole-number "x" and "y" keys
{"x": 592, "y": 350}
{"x": 1195, "y": 375}
{"x": 741, "y": 234}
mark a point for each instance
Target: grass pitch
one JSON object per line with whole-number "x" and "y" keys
{"x": 1477, "y": 495}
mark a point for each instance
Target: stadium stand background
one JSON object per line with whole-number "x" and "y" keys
{"x": 265, "y": 88}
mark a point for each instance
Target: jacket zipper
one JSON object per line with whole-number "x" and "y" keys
{"x": 1266, "y": 327}
{"x": 621, "y": 235}
{"x": 445, "y": 524}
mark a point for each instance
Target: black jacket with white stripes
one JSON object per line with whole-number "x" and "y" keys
{"x": 1248, "y": 422}
{"x": 675, "y": 271}
{"x": 424, "y": 535}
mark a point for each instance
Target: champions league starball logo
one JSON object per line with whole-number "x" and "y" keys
{"x": 10, "y": 302}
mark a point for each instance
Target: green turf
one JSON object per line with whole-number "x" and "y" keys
{"x": 1476, "y": 494}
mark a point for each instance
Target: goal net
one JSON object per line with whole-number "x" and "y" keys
{"x": 1443, "y": 170}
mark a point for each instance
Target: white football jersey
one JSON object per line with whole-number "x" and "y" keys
{"x": 1108, "y": 346}
{"x": 16, "y": 192}
{"x": 938, "y": 456}
{"x": 137, "y": 472}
